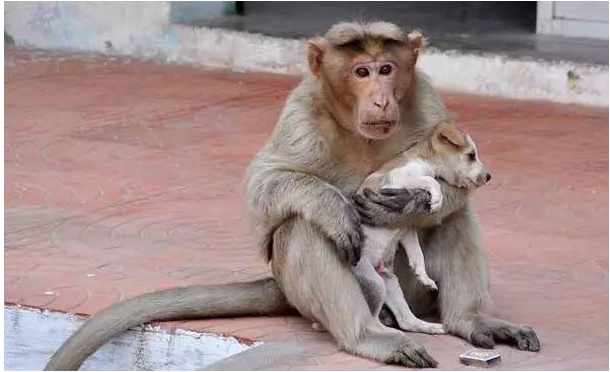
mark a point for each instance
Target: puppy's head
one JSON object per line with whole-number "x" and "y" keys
{"x": 459, "y": 162}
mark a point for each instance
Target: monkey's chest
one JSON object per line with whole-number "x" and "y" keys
{"x": 359, "y": 162}
{"x": 351, "y": 174}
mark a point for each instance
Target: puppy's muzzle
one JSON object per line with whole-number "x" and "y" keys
{"x": 483, "y": 178}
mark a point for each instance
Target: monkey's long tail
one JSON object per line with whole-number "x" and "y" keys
{"x": 261, "y": 297}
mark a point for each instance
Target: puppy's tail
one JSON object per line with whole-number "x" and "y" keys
{"x": 261, "y": 297}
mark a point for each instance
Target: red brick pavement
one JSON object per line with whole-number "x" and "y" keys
{"x": 123, "y": 176}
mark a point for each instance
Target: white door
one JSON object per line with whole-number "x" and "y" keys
{"x": 573, "y": 18}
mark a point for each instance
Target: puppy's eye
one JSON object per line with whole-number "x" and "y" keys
{"x": 385, "y": 70}
{"x": 362, "y": 72}
{"x": 472, "y": 156}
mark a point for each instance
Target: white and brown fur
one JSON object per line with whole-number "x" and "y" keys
{"x": 448, "y": 154}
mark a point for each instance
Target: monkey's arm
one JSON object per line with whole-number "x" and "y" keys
{"x": 404, "y": 207}
{"x": 276, "y": 194}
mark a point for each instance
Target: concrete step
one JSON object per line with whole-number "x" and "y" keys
{"x": 561, "y": 70}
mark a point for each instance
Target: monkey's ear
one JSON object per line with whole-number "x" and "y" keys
{"x": 450, "y": 134}
{"x": 315, "y": 55}
{"x": 417, "y": 41}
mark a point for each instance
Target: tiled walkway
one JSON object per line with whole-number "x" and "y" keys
{"x": 123, "y": 176}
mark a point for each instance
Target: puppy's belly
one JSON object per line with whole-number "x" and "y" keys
{"x": 380, "y": 244}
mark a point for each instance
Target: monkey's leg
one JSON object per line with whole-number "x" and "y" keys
{"x": 463, "y": 285}
{"x": 404, "y": 316}
{"x": 323, "y": 288}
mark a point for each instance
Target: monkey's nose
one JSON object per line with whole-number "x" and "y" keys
{"x": 381, "y": 103}
{"x": 487, "y": 177}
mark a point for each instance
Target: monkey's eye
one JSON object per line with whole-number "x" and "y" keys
{"x": 472, "y": 156}
{"x": 362, "y": 72}
{"x": 385, "y": 70}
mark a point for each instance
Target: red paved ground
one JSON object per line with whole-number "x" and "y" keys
{"x": 123, "y": 176}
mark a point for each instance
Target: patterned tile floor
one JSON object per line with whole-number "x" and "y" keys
{"x": 124, "y": 176}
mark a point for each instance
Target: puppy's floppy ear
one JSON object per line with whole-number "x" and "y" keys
{"x": 450, "y": 134}
{"x": 315, "y": 54}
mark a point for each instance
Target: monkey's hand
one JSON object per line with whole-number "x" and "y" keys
{"x": 408, "y": 207}
{"x": 391, "y": 206}
{"x": 344, "y": 228}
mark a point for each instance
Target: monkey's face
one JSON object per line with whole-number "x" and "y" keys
{"x": 368, "y": 77}
{"x": 370, "y": 87}
{"x": 376, "y": 110}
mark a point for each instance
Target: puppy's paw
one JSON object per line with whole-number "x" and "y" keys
{"x": 424, "y": 279}
{"x": 428, "y": 283}
{"x": 436, "y": 329}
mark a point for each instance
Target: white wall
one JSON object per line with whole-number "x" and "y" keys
{"x": 142, "y": 29}
{"x": 130, "y": 27}
{"x": 573, "y": 18}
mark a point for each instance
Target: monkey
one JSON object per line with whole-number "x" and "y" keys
{"x": 362, "y": 102}
{"x": 290, "y": 181}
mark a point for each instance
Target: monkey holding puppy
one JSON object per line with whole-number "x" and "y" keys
{"x": 363, "y": 103}
{"x": 448, "y": 154}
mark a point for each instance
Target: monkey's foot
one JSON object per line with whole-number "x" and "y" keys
{"x": 523, "y": 337}
{"x": 413, "y": 356}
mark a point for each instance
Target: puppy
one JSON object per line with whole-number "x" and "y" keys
{"x": 448, "y": 154}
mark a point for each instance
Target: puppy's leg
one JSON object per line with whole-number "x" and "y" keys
{"x": 399, "y": 306}
{"x": 413, "y": 250}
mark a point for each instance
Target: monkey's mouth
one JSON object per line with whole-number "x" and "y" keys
{"x": 379, "y": 123}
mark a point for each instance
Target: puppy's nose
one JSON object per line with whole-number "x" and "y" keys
{"x": 487, "y": 177}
